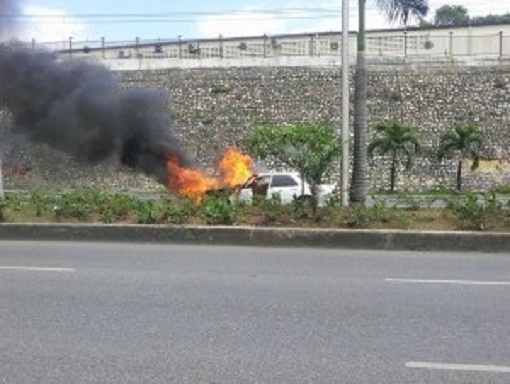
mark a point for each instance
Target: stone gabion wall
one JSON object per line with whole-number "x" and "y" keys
{"x": 216, "y": 108}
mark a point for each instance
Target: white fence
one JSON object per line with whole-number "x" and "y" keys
{"x": 488, "y": 43}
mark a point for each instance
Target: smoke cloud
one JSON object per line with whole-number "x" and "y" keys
{"x": 81, "y": 109}
{"x": 9, "y": 18}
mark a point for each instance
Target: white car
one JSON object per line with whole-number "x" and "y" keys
{"x": 287, "y": 185}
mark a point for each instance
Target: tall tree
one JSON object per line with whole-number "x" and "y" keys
{"x": 397, "y": 10}
{"x": 455, "y": 15}
{"x": 465, "y": 142}
{"x": 396, "y": 140}
{"x": 309, "y": 148}
{"x": 491, "y": 19}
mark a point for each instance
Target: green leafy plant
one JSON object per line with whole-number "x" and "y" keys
{"x": 218, "y": 211}
{"x": 396, "y": 140}
{"x": 503, "y": 190}
{"x": 300, "y": 207}
{"x": 465, "y": 142}
{"x": 116, "y": 207}
{"x": 39, "y": 201}
{"x": 146, "y": 212}
{"x": 178, "y": 212}
{"x": 3, "y": 206}
{"x": 270, "y": 208}
{"x": 474, "y": 210}
{"x": 310, "y": 149}
{"x": 73, "y": 204}
{"x": 361, "y": 216}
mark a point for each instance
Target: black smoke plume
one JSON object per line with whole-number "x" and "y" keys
{"x": 82, "y": 109}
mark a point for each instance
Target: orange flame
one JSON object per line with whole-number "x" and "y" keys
{"x": 234, "y": 169}
{"x": 189, "y": 182}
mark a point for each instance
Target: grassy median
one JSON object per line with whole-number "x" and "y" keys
{"x": 475, "y": 211}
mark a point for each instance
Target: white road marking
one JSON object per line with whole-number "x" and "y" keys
{"x": 459, "y": 367}
{"x": 458, "y": 282}
{"x": 38, "y": 269}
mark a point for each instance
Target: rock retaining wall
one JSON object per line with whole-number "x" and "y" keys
{"x": 215, "y": 108}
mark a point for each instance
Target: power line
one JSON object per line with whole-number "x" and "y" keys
{"x": 178, "y": 13}
{"x": 295, "y": 13}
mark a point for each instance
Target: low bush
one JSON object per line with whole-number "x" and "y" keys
{"x": 145, "y": 212}
{"x": 474, "y": 209}
{"x": 218, "y": 211}
{"x": 365, "y": 217}
{"x": 271, "y": 209}
{"x": 3, "y": 206}
{"x": 73, "y": 204}
{"x": 39, "y": 201}
{"x": 178, "y": 211}
{"x": 116, "y": 207}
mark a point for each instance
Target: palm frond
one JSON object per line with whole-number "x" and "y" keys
{"x": 379, "y": 144}
{"x": 449, "y": 143}
{"x": 466, "y": 139}
{"x": 404, "y": 10}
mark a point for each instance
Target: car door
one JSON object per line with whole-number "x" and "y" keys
{"x": 255, "y": 186}
{"x": 285, "y": 186}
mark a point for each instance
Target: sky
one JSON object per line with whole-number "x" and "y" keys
{"x": 125, "y": 20}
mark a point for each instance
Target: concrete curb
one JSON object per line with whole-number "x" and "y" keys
{"x": 256, "y": 236}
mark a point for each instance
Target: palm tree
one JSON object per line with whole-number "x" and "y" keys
{"x": 401, "y": 10}
{"x": 394, "y": 139}
{"x": 466, "y": 142}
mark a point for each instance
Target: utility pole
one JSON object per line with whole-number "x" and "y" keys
{"x": 2, "y": 194}
{"x": 345, "y": 137}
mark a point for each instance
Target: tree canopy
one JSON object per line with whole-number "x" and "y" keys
{"x": 464, "y": 141}
{"x": 458, "y": 16}
{"x": 396, "y": 140}
{"x": 451, "y": 15}
{"x": 309, "y": 148}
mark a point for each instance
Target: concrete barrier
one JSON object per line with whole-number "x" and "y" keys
{"x": 256, "y": 236}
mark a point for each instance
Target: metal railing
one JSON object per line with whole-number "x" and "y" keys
{"x": 414, "y": 45}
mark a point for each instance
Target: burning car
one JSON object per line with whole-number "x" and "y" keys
{"x": 237, "y": 181}
{"x": 287, "y": 185}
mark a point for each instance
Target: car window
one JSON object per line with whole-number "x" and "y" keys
{"x": 283, "y": 181}
{"x": 263, "y": 180}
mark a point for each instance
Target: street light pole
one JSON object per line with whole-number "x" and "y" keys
{"x": 345, "y": 103}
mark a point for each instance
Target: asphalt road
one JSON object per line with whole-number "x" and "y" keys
{"x": 115, "y": 313}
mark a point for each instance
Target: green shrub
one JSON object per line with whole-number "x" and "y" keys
{"x": 146, "y": 212}
{"x": 3, "y": 206}
{"x": 271, "y": 208}
{"x": 474, "y": 209}
{"x": 15, "y": 201}
{"x": 363, "y": 216}
{"x": 218, "y": 211}
{"x": 503, "y": 190}
{"x": 39, "y": 201}
{"x": 116, "y": 207}
{"x": 334, "y": 201}
{"x": 73, "y": 204}
{"x": 301, "y": 208}
{"x": 177, "y": 212}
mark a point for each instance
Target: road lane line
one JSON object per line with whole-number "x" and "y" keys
{"x": 38, "y": 269}
{"x": 457, "y": 282}
{"x": 459, "y": 367}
